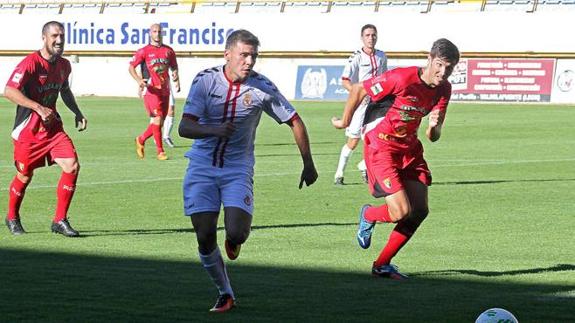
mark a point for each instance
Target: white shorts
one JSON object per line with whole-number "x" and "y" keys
{"x": 354, "y": 128}
{"x": 207, "y": 188}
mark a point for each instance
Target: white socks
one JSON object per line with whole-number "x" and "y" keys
{"x": 214, "y": 265}
{"x": 361, "y": 165}
{"x": 343, "y": 158}
{"x": 168, "y": 124}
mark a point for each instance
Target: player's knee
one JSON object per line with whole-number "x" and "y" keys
{"x": 352, "y": 143}
{"x": 238, "y": 235}
{"x": 399, "y": 213}
{"x": 206, "y": 240}
{"x": 24, "y": 178}
{"x": 71, "y": 168}
{"x": 419, "y": 214}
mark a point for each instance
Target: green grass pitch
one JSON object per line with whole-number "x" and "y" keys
{"x": 500, "y": 232}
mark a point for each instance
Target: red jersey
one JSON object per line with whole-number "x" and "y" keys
{"x": 412, "y": 100}
{"x": 158, "y": 62}
{"x": 40, "y": 81}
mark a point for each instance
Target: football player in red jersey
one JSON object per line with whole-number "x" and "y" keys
{"x": 38, "y": 134}
{"x": 393, "y": 153}
{"x": 159, "y": 59}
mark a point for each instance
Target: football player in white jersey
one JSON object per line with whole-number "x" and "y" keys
{"x": 363, "y": 64}
{"x": 221, "y": 114}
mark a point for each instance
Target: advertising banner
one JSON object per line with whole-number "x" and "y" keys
{"x": 512, "y": 80}
{"x": 317, "y": 82}
{"x": 206, "y": 29}
{"x": 564, "y": 82}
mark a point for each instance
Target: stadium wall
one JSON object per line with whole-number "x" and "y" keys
{"x": 114, "y": 36}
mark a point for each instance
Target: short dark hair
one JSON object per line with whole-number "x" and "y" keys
{"x": 368, "y": 26}
{"x": 244, "y": 36}
{"x": 443, "y": 48}
{"x": 49, "y": 24}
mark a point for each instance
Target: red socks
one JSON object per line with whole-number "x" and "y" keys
{"x": 17, "y": 190}
{"x": 378, "y": 214}
{"x": 396, "y": 241}
{"x": 65, "y": 192}
{"x": 156, "y": 131}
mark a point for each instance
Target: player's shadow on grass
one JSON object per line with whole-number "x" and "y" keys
{"x": 102, "y": 233}
{"x": 497, "y": 181}
{"x": 556, "y": 268}
{"x": 66, "y": 287}
{"x": 315, "y": 143}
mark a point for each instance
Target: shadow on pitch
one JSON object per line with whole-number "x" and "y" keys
{"x": 505, "y": 181}
{"x": 66, "y": 287}
{"x": 556, "y": 268}
{"x": 98, "y": 233}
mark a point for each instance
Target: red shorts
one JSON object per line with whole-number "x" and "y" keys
{"x": 31, "y": 155}
{"x": 388, "y": 168}
{"x": 156, "y": 105}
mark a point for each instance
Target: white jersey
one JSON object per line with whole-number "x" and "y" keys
{"x": 214, "y": 99}
{"x": 361, "y": 66}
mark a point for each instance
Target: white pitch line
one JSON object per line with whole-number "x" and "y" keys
{"x": 503, "y": 162}
{"x": 132, "y": 181}
{"x": 152, "y": 180}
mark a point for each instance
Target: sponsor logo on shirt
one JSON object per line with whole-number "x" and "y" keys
{"x": 17, "y": 77}
{"x": 376, "y": 89}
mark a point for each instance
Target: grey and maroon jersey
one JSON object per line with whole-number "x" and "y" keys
{"x": 214, "y": 99}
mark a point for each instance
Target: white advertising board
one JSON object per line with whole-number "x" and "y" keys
{"x": 409, "y": 31}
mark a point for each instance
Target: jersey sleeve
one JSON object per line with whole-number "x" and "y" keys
{"x": 173, "y": 60}
{"x": 196, "y": 101}
{"x": 351, "y": 69}
{"x": 67, "y": 67}
{"x": 21, "y": 74}
{"x": 380, "y": 86}
{"x": 274, "y": 103}
{"x": 383, "y": 67}
{"x": 137, "y": 58}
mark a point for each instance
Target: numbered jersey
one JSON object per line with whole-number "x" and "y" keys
{"x": 214, "y": 99}
{"x": 40, "y": 81}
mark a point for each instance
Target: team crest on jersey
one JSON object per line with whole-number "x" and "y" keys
{"x": 387, "y": 183}
{"x": 248, "y": 200}
{"x": 17, "y": 77}
{"x": 247, "y": 100}
{"x": 42, "y": 78}
{"x": 376, "y": 89}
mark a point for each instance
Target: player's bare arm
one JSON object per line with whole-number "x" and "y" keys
{"x": 190, "y": 128}
{"x": 176, "y": 80}
{"x": 356, "y": 95}
{"x": 433, "y": 131}
{"x": 309, "y": 173}
{"x": 346, "y": 84}
{"x": 16, "y": 96}
{"x": 70, "y": 102}
{"x": 141, "y": 82}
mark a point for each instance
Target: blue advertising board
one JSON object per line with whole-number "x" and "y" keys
{"x": 320, "y": 82}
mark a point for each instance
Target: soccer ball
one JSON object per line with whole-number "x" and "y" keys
{"x": 496, "y": 315}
